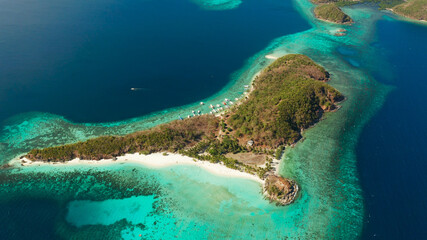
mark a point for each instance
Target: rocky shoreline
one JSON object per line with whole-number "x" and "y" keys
{"x": 282, "y": 191}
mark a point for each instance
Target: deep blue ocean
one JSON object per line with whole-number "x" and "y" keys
{"x": 392, "y": 151}
{"x": 80, "y": 59}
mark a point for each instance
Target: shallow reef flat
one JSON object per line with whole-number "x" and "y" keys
{"x": 218, "y": 4}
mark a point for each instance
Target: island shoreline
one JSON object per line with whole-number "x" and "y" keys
{"x": 157, "y": 160}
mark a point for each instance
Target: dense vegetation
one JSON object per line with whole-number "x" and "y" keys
{"x": 332, "y": 13}
{"x": 382, "y": 4}
{"x": 169, "y": 137}
{"x": 415, "y": 9}
{"x": 288, "y": 96}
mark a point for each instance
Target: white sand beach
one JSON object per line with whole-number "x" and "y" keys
{"x": 271, "y": 57}
{"x": 155, "y": 160}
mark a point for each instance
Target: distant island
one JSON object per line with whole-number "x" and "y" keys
{"x": 287, "y": 97}
{"x": 414, "y": 9}
{"x": 330, "y": 12}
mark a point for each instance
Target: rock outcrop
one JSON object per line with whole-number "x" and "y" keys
{"x": 281, "y": 190}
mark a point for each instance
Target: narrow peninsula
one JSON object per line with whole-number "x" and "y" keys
{"x": 287, "y": 97}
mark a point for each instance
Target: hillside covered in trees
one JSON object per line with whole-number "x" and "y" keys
{"x": 415, "y": 9}
{"x": 382, "y": 4}
{"x": 329, "y": 10}
{"x": 289, "y": 95}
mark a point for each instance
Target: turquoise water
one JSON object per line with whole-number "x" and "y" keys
{"x": 133, "y": 209}
{"x": 218, "y": 4}
{"x": 124, "y": 201}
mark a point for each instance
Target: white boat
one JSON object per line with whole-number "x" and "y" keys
{"x": 218, "y": 105}
{"x": 202, "y": 103}
{"x": 236, "y": 99}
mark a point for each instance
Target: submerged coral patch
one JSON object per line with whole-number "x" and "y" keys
{"x": 218, "y": 4}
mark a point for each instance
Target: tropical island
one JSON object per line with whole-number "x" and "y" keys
{"x": 330, "y": 12}
{"x": 414, "y": 9}
{"x": 290, "y": 95}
